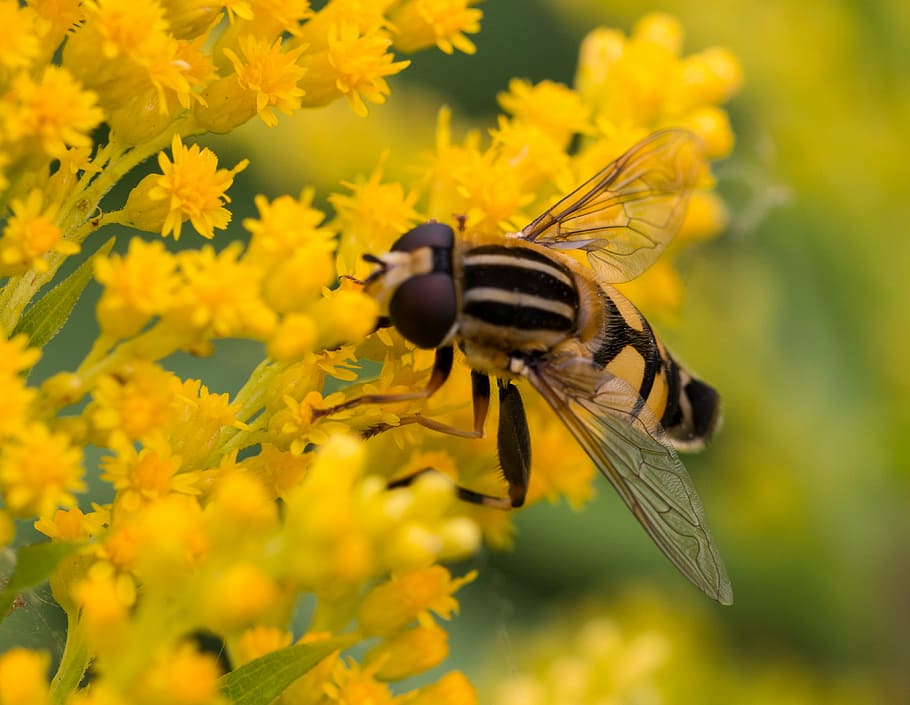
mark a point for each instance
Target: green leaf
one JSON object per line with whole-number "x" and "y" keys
{"x": 259, "y": 682}
{"x": 34, "y": 565}
{"x": 48, "y": 315}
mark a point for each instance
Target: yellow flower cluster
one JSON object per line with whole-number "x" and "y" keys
{"x": 226, "y": 511}
{"x": 643, "y": 649}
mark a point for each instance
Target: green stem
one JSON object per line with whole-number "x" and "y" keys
{"x": 75, "y": 661}
{"x": 76, "y": 214}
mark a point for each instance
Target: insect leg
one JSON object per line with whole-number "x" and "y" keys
{"x": 442, "y": 367}
{"x": 514, "y": 442}
{"x": 463, "y": 493}
{"x": 480, "y": 394}
{"x": 480, "y": 387}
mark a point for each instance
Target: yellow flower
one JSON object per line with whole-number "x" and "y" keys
{"x": 238, "y": 596}
{"x": 407, "y": 596}
{"x": 132, "y": 403}
{"x": 142, "y": 476}
{"x": 286, "y": 225}
{"x": 67, "y": 525}
{"x": 171, "y": 540}
{"x": 104, "y": 598}
{"x": 31, "y": 235}
{"x": 40, "y": 471}
{"x": 221, "y": 296}
{"x": 191, "y": 187}
{"x": 23, "y": 677}
{"x": 554, "y": 108}
{"x": 54, "y": 111}
{"x": 239, "y": 512}
{"x": 198, "y": 421}
{"x": 294, "y": 338}
{"x": 353, "y": 64}
{"x": 408, "y": 653}
{"x": 137, "y": 286}
{"x": 345, "y": 316}
{"x": 180, "y": 676}
{"x": 60, "y": 16}
{"x": 278, "y": 470}
{"x": 16, "y": 356}
{"x": 452, "y": 689}
{"x": 372, "y": 217}
{"x": 259, "y": 641}
{"x": 423, "y": 23}
{"x": 352, "y": 685}
{"x": 20, "y": 36}
{"x": 264, "y": 77}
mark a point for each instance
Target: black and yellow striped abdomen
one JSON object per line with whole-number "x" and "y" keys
{"x": 518, "y": 301}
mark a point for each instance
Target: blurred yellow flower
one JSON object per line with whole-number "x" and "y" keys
{"x": 23, "y": 677}
{"x": 31, "y": 235}
{"x": 423, "y": 23}
{"x": 40, "y": 471}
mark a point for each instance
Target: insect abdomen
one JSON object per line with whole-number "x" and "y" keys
{"x": 628, "y": 348}
{"x": 516, "y": 299}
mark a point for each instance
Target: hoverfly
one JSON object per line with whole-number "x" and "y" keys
{"x": 519, "y": 308}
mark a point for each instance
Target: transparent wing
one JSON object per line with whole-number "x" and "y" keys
{"x": 625, "y": 215}
{"x": 624, "y": 439}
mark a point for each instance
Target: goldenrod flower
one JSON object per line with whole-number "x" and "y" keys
{"x": 105, "y": 598}
{"x": 239, "y": 596}
{"x": 31, "y": 235}
{"x": 191, "y": 187}
{"x": 265, "y": 77}
{"x": 350, "y": 684}
{"x": 220, "y": 296}
{"x": 409, "y": 652}
{"x": 23, "y": 677}
{"x": 407, "y": 596}
{"x": 181, "y": 676}
{"x": 452, "y": 689}
{"x": 372, "y": 217}
{"x": 40, "y": 471}
{"x": 423, "y": 23}
{"x": 555, "y": 109}
{"x": 137, "y": 286}
{"x": 19, "y": 36}
{"x": 259, "y": 641}
{"x": 352, "y": 64}
{"x": 53, "y": 110}
{"x": 132, "y": 403}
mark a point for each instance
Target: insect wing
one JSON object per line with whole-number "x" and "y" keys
{"x": 622, "y": 437}
{"x": 625, "y": 215}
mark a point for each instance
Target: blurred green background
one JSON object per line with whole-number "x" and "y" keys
{"x": 798, "y": 314}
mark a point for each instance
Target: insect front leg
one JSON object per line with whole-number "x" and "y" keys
{"x": 442, "y": 368}
{"x": 514, "y": 442}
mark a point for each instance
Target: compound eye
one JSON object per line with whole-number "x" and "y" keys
{"x": 423, "y": 308}
{"x": 433, "y": 234}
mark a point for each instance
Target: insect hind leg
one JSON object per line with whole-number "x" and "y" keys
{"x": 514, "y": 443}
{"x": 463, "y": 493}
